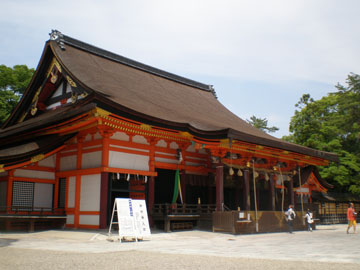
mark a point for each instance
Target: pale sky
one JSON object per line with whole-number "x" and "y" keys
{"x": 260, "y": 55}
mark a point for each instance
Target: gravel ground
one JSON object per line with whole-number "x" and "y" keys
{"x": 13, "y": 259}
{"x": 327, "y": 248}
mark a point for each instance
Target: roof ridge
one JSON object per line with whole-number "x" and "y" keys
{"x": 62, "y": 39}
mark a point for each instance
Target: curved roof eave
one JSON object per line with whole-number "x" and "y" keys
{"x": 102, "y": 75}
{"x": 33, "y": 85}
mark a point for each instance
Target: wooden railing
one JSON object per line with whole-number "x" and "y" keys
{"x": 26, "y": 210}
{"x": 181, "y": 216}
{"x": 183, "y": 209}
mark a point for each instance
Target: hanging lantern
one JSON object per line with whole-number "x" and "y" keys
{"x": 239, "y": 173}
{"x": 248, "y": 164}
{"x": 267, "y": 176}
{"x": 231, "y": 171}
{"x": 256, "y": 174}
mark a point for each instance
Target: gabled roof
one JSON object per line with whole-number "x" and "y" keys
{"x": 306, "y": 173}
{"x": 126, "y": 87}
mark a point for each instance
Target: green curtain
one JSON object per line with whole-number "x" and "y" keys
{"x": 176, "y": 186}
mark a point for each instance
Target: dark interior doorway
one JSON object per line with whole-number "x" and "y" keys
{"x": 124, "y": 186}
{"x": 164, "y": 186}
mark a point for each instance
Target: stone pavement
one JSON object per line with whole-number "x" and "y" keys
{"x": 329, "y": 243}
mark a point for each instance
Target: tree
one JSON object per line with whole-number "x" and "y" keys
{"x": 262, "y": 124}
{"x": 13, "y": 82}
{"x": 333, "y": 124}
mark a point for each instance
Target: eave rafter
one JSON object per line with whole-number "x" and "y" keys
{"x": 219, "y": 148}
{"x": 247, "y": 151}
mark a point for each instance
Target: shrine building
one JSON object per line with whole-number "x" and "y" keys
{"x": 93, "y": 126}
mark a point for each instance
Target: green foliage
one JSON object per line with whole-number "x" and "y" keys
{"x": 262, "y": 124}
{"x": 332, "y": 124}
{"x": 13, "y": 82}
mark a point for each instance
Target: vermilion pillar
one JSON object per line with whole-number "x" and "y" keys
{"x": 272, "y": 192}
{"x": 9, "y": 190}
{"x": 247, "y": 190}
{"x": 291, "y": 191}
{"x": 237, "y": 190}
{"x": 151, "y": 198}
{"x": 219, "y": 187}
{"x": 104, "y": 190}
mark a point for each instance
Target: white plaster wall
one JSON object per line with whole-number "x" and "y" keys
{"x": 91, "y": 160}
{"x": 128, "y": 161}
{"x": 57, "y": 104}
{"x": 89, "y": 220}
{"x": 193, "y": 164}
{"x": 90, "y": 192}
{"x": 161, "y": 143}
{"x": 88, "y": 137}
{"x": 97, "y": 136}
{"x": 191, "y": 148}
{"x": 34, "y": 174}
{"x": 3, "y": 191}
{"x": 48, "y": 162}
{"x": 58, "y": 91}
{"x": 71, "y": 194}
{"x": 165, "y": 160}
{"x": 140, "y": 139}
{"x": 70, "y": 219}
{"x": 203, "y": 151}
{"x": 43, "y": 195}
{"x": 174, "y": 145}
{"x": 91, "y": 147}
{"x": 122, "y": 136}
{"x": 68, "y": 163}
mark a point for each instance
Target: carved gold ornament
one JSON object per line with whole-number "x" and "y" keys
{"x": 70, "y": 81}
{"x": 37, "y": 158}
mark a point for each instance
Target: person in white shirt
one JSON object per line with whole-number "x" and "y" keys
{"x": 309, "y": 220}
{"x": 290, "y": 216}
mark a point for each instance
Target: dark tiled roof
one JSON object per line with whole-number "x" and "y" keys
{"x": 129, "y": 62}
{"x": 154, "y": 95}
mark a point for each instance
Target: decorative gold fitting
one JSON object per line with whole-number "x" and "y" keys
{"x": 53, "y": 79}
{"x": 37, "y": 158}
{"x": 70, "y": 81}
{"x": 33, "y": 110}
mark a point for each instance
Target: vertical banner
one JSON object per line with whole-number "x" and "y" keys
{"x": 176, "y": 186}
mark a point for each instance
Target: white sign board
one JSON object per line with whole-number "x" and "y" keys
{"x": 141, "y": 218}
{"x": 125, "y": 217}
{"x": 132, "y": 218}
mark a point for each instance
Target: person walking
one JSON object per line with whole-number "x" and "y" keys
{"x": 309, "y": 220}
{"x": 351, "y": 217}
{"x": 290, "y": 216}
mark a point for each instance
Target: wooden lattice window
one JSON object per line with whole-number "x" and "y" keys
{"x": 62, "y": 193}
{"x": 23, "y": 195}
